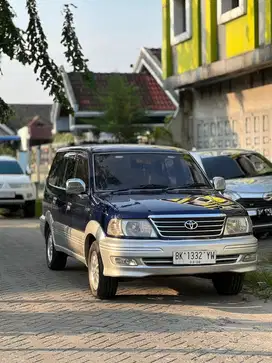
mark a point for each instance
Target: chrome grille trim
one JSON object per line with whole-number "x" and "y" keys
{"x": 173, "y": 226}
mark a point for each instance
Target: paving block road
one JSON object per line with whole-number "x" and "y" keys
{"x": 50, "y": 316}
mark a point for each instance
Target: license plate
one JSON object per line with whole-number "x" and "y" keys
{"x": 194, "y": 258}
{"x": 264, "y": 212}
{"x": 7, "y": 195}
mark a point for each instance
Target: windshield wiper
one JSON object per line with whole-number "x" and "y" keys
{"x": 140, "y": 187}
{"x": 151, "y": 186}
{"x": 155, "y": 187}
{"x": 189, "y": 186}
{"x": 267, "y": 173}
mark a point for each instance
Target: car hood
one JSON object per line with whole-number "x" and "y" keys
{"x": 21, "y": 178}
{"x": 141, "y": 206}
{"x": 260, "y": 184}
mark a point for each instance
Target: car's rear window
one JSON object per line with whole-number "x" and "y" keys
{"x": 10, "y": 167}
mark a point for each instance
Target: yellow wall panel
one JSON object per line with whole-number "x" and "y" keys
{"x": 242, "y": 33}
{"x": 167, "y": 69}
{"x": 189, "y": 52}
{"x": 211, "y": 51}
{"x": 268, "y": 21}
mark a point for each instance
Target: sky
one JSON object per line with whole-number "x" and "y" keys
{"x": 111, "y": 33}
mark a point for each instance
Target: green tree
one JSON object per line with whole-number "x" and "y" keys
{"x": 123, "y": 111}
{"x": 30, "y": 47}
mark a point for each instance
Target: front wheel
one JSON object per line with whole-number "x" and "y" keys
{"x": 102, "y": 287}
{"x": 55, "y": 260}
{"x": 229, "y": 283}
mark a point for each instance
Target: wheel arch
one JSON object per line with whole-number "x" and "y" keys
{"x": 93, "y": 232}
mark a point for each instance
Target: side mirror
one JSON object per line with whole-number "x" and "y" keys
{"x": 28, "y": 170}
{"x": 219, "y": 183}
{"x": 75, "y": 186}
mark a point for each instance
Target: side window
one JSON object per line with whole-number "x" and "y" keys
{"x": 70, "y": 168}
{"x": 82, "y": 171}
{"x": 57, "y": 170}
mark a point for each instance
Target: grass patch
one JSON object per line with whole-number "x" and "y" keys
{"x": 260, "y": 282}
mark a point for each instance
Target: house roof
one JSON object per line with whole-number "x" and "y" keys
{"x": 24, "y": 113}
{"x": 153, "y": 97}
{"x": 156, "y": 52}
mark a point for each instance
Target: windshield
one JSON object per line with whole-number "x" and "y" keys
{"x": 146, "y": 170}
{"x": 237, "y": 166}
{"x": 10, "y": 167}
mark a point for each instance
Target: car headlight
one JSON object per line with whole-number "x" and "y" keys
{"x": 231, "y": 195}
{"x": 238, "y": 225}
{"x": 140, "y": 228}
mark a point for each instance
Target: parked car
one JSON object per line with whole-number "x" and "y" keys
{"x": 132, "y": 211}
{"x": 248, "y": 176}
{"x": 16, "y": 189}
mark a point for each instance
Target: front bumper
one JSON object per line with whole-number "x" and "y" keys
{"x": 260, "y": 224}
{"x": 154, "y": 257}
{"x": 19, "y": 197}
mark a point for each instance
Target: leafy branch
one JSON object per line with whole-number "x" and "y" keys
{"x": 30, "y": 47}
{"x": 73, "y": 52}
{"x": 49, "y": 73}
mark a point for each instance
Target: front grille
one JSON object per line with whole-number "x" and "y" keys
{"x": 168, "y": 261}
{"x": 255, "y": 203}
{"x": 261, "y": 220}
{"x": 174, "y": 227}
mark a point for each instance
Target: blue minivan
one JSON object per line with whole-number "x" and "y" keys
{"x": 132, "y": 211}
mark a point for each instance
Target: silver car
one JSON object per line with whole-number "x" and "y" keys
{"x": 248, "y": 176}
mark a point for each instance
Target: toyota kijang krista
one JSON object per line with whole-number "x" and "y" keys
{"x": 134, "y": 211}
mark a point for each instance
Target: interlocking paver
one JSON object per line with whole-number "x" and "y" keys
{"x": 48, "y": 316}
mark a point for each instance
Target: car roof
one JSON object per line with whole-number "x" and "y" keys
{"x": 7, "y": 158}
{"x": 106, "y": 148}
{"x": 220, "y": 152}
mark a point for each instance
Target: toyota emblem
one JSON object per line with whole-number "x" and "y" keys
{"x": 191, "y": 225}
{"x": 267, "y": 197}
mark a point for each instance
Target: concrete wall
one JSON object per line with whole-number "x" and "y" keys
{"x": 235, "y": 113}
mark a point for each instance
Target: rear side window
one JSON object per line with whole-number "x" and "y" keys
{"x": 70, "y": 168}
{"x": 82, "y": 170}
{"x": 57, "y": 170}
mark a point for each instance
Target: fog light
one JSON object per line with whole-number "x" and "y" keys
{"x": 122, "y": 261}
{"x": 250, "y": 257}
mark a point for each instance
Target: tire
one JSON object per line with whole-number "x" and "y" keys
{"x": 102, "y": 287}
{"x": 13, "y": 209}
{"x": 29, "y": 209}
{"x": 229, "y": 283}
{"x": 55, "y": 260}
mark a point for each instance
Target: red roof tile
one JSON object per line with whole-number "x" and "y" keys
{"x": 153, "y": 96}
